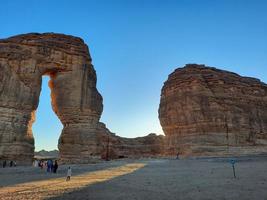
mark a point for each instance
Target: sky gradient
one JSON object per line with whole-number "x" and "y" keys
{"x": 136, "y": 44}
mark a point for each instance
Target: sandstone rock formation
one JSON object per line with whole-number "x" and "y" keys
{"x": 106, "y": 145}
{"x": 207, "y": 111}
{"x": 113, "y": 147}
{"x": 24, "y": 59}
{"x": 43, "y": 154}
{"x": 151, "y": 145}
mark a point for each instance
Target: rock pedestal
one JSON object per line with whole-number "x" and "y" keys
{"x": 207, "y": 111}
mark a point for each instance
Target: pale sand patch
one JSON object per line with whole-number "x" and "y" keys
{"x": 58, "y": 186}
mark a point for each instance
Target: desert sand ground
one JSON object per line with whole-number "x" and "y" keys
{"x": 155, "y": 179}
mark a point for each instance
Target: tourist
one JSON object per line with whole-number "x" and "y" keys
{"x": 42, "y": 164}
{"x": 15, "y": 164}
{"x": 177, "y": 156}
{"x": 36, "y": 163}
{"x": 55, "y": 167}
{"x": 49, "y": 165}
{"x": 68, "y": 174}
{"x": 4, "y": 164}
{"x": 11, "y": 163}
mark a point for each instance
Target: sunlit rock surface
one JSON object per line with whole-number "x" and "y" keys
{"x": 75, "y": 99}
{"x": 24, "y": 59}
{"x": 207, "y": 111}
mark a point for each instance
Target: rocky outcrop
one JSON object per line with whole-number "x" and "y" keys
{"x": 43, "y": 154}
{"x": 151, "y": 145}
{"x": 114, "y": 147}
{"x": 207, "y": 111}
{"x": 105, "y": 145}
{"x": 24, "y": 59}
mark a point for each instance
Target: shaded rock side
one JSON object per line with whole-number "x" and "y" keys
{"x": 105, "y": 145}
{"x": 207, "y": 111}
{"x": 24, "y": 59}
{"x": 113, "y": 147}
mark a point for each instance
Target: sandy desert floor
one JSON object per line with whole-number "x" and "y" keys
{"x": 155, "y": 179}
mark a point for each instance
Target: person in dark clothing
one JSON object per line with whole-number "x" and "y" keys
{"x": 177, "y": 156}
{"x": 55, "y": 167}
{"x": 49, "y": 165}
{"x": 4, "y": 164}
{"x": 11, "y": 163}
{"x": 52, "y": 166}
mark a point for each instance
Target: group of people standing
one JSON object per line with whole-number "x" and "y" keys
{"x": 11, "y": 163}
{"x": 52, "y": 166}
{"x": 49, "y": 164}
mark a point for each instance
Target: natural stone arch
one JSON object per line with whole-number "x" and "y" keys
{"x": 24, "y": 59}
{"x": 75, "y": 99}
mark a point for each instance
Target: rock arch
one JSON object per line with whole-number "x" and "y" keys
{"x": 24, "y": 59}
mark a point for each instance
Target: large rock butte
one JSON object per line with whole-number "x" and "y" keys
{"x": 24, "y": 59}
{"x": 207, "y": 111}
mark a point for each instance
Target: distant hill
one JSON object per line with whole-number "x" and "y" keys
{"x": 46, "y": 154}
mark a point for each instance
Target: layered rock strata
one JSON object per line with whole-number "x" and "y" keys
{"x": 207, "y": 111}
{"x": 113, "y": 147}
{"x": 105, "y": 145}
{"x": 24, "y": 59}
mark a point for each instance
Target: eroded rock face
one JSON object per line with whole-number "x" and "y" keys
{"x": 104, "y": 144}
{"x": 24, "y": 59}
{"x": 75, "y": 99}
{"x": 114, "y": 147}
{"x": 206, "y": 111}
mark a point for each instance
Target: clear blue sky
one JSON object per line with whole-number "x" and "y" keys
{"x": 136, "y": 44}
